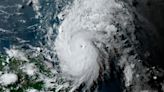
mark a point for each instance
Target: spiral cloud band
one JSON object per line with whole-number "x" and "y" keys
{"x": 81, "y": 36}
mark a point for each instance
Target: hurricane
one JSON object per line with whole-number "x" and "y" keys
{"x": 80, "y": 46}
{"x": 84, "y": 44}
{"x": 82, "y": 34}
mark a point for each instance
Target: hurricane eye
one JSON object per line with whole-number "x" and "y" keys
{"x": 82, "y": 46}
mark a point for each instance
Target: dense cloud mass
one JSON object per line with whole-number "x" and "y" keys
{"x": 81, "y": 45}
{"x": 81, "y": 37}
{"x": 96, "y": 34}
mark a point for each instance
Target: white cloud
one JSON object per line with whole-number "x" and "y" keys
{"x": 29, "y": 69}
{"x": 128, "y": 75}
{"x": 16, "y": 54}
{"x": 88, "y": 21}
{"x": 8, "y": 78}
{"x": 32, "y": 90}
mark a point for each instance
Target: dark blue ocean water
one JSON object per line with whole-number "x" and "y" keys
{"x": 18, "y": 22}
{"x": 15, "y": 21}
